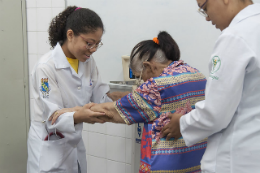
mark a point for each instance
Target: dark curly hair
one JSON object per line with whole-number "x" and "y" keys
{"x": 82, "y": 20}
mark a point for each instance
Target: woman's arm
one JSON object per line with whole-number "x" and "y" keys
{"x": 92, "y": 113}
{"x": 117, "y": 95}
{"x": 110, "y": 111}
{"x": 82, "y": 114}
{"x": 58, "y": 113}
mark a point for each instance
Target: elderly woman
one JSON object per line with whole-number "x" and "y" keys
{"x": 170, "y": 85}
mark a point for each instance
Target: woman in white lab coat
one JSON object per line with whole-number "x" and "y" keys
{"x": 65, "y": 77}
{"x": 230, "y": 113}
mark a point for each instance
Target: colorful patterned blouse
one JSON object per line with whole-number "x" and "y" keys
{"x": 178, "y": 88}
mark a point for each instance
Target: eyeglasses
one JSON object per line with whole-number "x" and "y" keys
{"x": 202, "y": 11}
{"x": 139, "y": 81}
{"x": 91, "y": 46}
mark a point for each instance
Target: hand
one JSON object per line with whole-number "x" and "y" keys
{"x": 99, "y": 108}
{"x": 102, "y": 108}
{"x": 58, "y": 113}
{"x": 85, "y": 114}
{"x": 110, "y": 111}
{"x": 117, "y": 95}
{"x": 172, "y": 130}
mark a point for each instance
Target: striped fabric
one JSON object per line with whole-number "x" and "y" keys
{"x": 177, "y": 89}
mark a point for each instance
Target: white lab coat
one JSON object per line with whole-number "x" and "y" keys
{"x": 230, "y": 113}
{"x": 66, "y": 89}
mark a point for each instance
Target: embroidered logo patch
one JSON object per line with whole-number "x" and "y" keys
{"x": 45, "y": 88}
{"x": 215, "y": 67}
{"x": 216, "y": 64}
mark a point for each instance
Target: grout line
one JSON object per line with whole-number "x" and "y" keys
{"x": 108, "y": 134}
{"x": 108, "y": 159}
{"x": 66, "y": 4}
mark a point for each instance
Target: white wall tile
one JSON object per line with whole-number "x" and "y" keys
{"x": 44, "y": 17}
{"x": 115, "y": 167}
{"x": 56, "y": 11}
{"x": 43, "y": 3}
{"x": 128, "y": 149}
{"x": 43, "y": 42}
{"x": 116, "y": 129}
{"x": 99, "y": 128}
{"x": 97, "y": 165}
{"x": 116, "y": 148}
{"x": 33, "y": 58}
{"x": 31, "y": 19}
{"x": 97, "y": 144}
{"x": 128, "y": 168}
{"x": 32, "y": 42}
{"x": 129, "y": 131}
{"x": 85, "y": 126}
{"x": 58, "y": 4}
{"x": 30, "y": 3}
{"x": 85, "y": 138}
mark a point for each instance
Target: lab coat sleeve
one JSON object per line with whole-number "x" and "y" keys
{"x": 100, "y": 89}
{"x": 51, "y": 101}
{"x": 223, "y": 90}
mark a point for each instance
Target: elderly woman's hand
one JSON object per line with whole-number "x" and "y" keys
{"x": 110, "y": 111}
{"x": 85, "y": 114}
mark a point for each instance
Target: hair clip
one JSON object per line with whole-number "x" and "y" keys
{"x": 155, "y": 39}
{"x": 77, "y": 8}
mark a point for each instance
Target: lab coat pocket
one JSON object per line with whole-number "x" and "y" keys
{"x": 54, "y": 155}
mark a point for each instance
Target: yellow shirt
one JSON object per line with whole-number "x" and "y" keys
{"x": 74, "y": 63}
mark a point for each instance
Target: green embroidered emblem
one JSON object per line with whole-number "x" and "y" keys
{"x": 216, "y": 64}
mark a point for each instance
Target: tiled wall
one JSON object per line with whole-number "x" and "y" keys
{"x": 109, "y": 146}
{"x": 39, "y": 15}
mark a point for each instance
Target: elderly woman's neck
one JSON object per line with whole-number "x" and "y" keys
{"x": 161, "y": 66}
{"x": 164, "y": 65}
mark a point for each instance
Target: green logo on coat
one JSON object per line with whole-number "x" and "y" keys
{"x": 216, "y": 64}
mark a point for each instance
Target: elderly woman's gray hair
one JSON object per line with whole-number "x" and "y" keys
{"x": 136, "y": 62}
